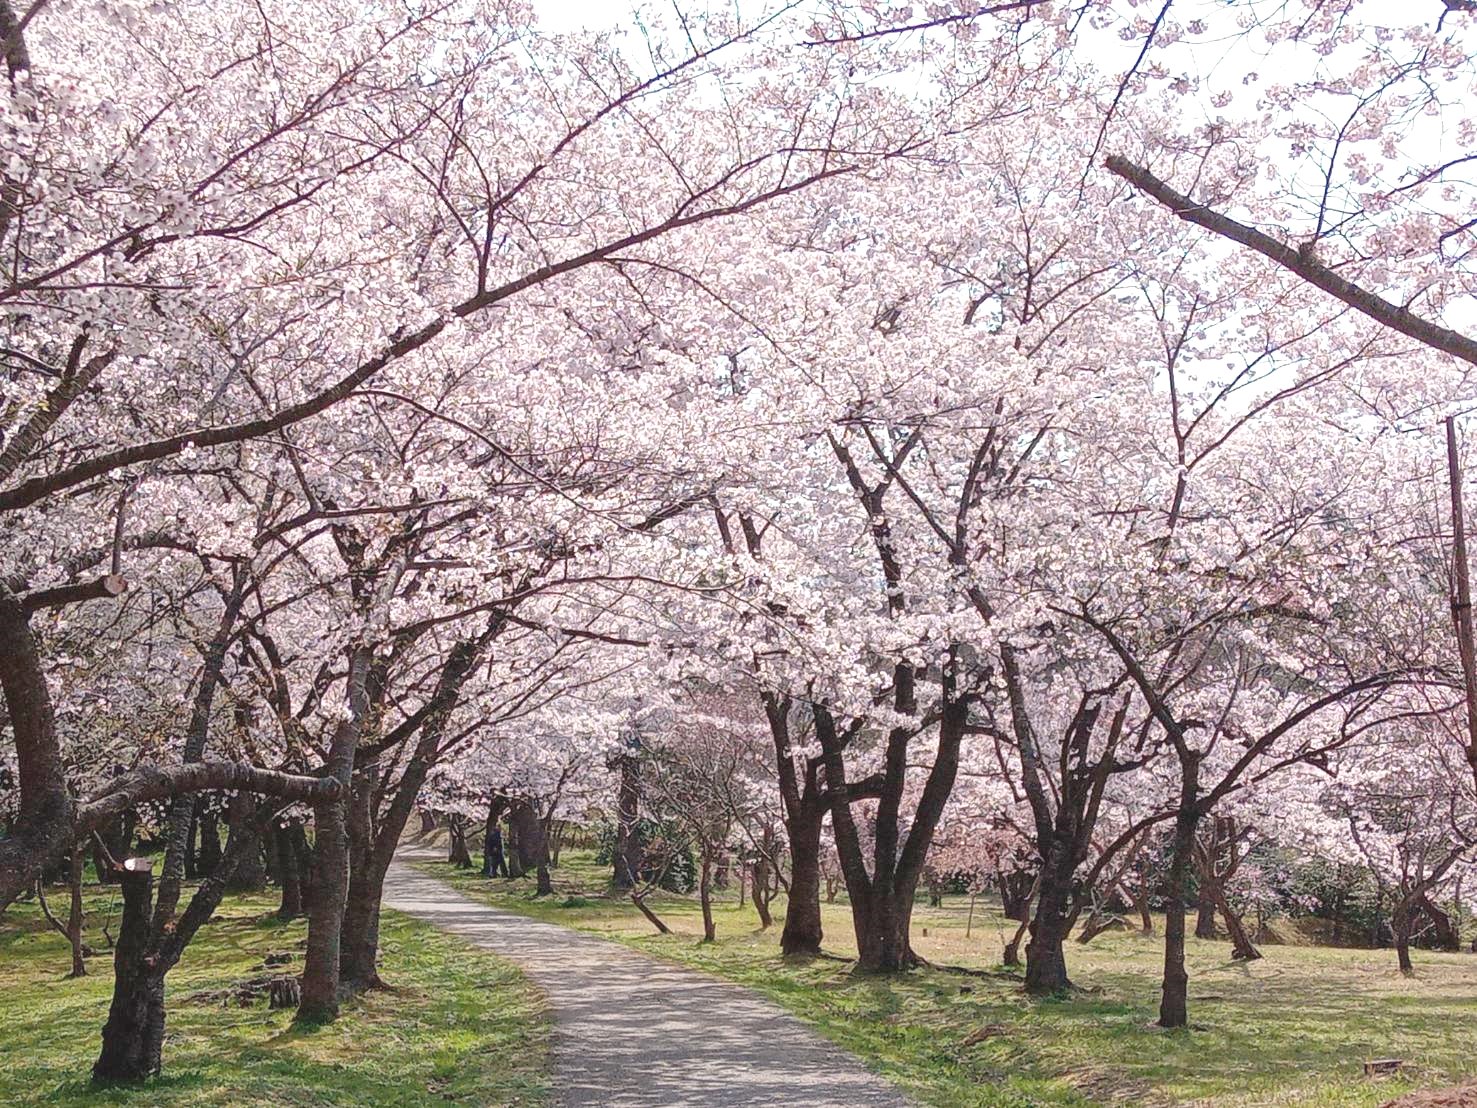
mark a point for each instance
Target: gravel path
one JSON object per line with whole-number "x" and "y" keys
{"x": 633, "y": 1032}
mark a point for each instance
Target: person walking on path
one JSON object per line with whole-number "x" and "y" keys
{"x": 494, "y": 863}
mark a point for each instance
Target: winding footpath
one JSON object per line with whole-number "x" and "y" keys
{"x": 633, "y": 1032}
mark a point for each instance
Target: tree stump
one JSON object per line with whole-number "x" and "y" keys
{"x": 284, "y": 992}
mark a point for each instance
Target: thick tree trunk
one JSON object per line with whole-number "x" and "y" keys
{"x": 883, "y": 929}
{"x": 627, "y": 861}
{"x": 530, "y": 843}
{"x": 330, "y": 879}
{"x": 1174, "y": 1004}
{"x": 133, "y": 1037}
{"x": 1015, "y": 894}
{"x": 1046, "y": 960}
{"x": 251, "y": 875}
{"x": 802, "y": 934}
{"x": 1205, "y": 910}
{"x": 359, "y": 943}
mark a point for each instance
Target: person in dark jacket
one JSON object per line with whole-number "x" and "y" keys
{"x": 494, "y": 864}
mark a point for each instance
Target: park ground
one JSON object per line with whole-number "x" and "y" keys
{"x": 1292, "y": 1029}
{"x": 458, "y": 1025}
{"x": 464, "y": 1026}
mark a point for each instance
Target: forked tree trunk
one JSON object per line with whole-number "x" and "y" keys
{"x": 530, "y": 844}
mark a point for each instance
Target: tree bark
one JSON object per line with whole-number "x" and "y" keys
{"x": 802, "y": 932}
{"x": 1205, "y": 910}
{"x": 883, "y": 941}
{"x": 705, "y": 897}
{"x": 291, "y": 905}
{"x": 759, "y": 892}
{"x": 1046, "y": 960}
{"x": 1400, "y": 926}
{"x": 320, "y": 991}
{"x": 133, "y": 1037}
{"x": 1174, "y": 1003}
{"x": 1242, "y": 949}
{"x": 627, "y": 861}
{"x": 74, "y": 912}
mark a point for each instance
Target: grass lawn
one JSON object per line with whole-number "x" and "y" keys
{"x": 460, "y": 1025}
{"x": 1292, "y": 1029}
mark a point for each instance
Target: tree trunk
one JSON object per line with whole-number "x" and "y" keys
{"x": 209, "y": 829}
{"x": 192, "y": 841}
{"x": 1141, "y": 905}
{"x": 1400, "y": 926}
{"x": 330, "y": 879}
{"x": 302, "y": 853}
{"x": 457, "y": 853}
{"x": 428, "y": 822}
{"x": 359, "y": 944}
{"x": 1242, "y": 949}
{"x": 1174, "y": 1004}
{"x": 1015, "y": 894}
{"x": 133, "y": 1037}
{"x": 705, "y": 897}
{"x": 627, "y": 859}
{"x": 1445, "y": 936}
{"x": 1046, "y": 960}
{"x": 291, "y": 905}
{"x": 74, "y": 913}
{"x": 802, "y": 934}
{"x": 882, "y": 933}
{"x": 759, "y": 892}
{"x": 530, "y": 844}
{"x": 1205, "y": 910}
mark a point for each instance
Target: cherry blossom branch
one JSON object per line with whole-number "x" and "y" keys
{"x": 1298, "y": 261}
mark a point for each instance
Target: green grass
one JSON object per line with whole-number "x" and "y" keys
{"x": 459, "y": 1026}
{"x": 1292, "y": 1029}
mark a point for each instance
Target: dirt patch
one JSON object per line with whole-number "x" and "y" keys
{"x": 1457, "y": 1096}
